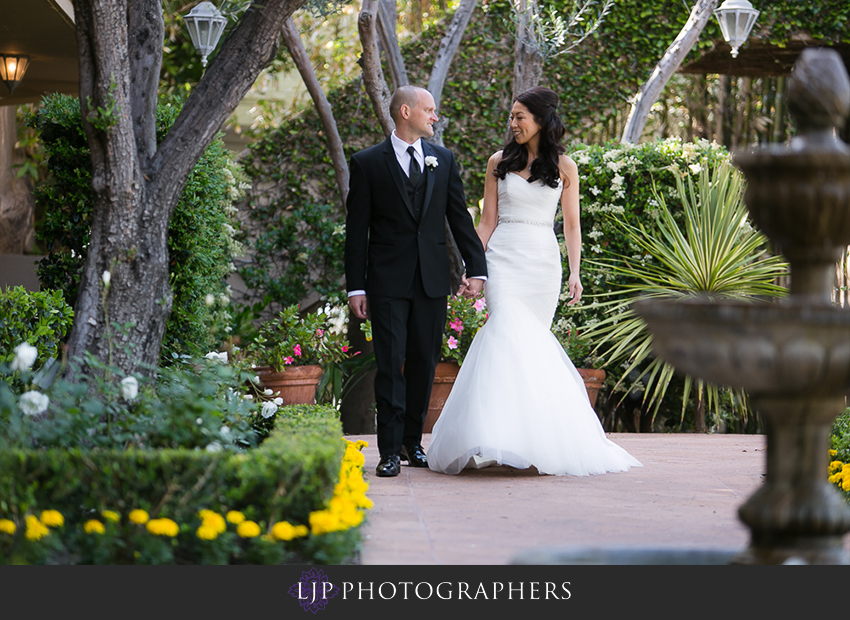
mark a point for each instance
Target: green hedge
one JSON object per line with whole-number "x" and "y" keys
{"x": 291, "y": 474}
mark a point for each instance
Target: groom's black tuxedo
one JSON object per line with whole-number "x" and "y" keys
{"x": 395, "y": 250}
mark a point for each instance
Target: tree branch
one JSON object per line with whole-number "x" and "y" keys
{"x": 293, "y": 43}
{"x": 246, "y": 52}
{"x": 448, "y": 48}
{"x": 386, "y": 25}
{"x": 370, "y": 61}
{"x": 145, "y": 22}
{"x": 670, "y": 61}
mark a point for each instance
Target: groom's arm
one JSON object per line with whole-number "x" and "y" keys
{"x": 461, "y": 225}
{"x": 358, "y": 206}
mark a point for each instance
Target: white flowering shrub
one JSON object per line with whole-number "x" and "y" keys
{"x": 615, "y": 184}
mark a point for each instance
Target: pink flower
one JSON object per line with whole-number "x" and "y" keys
{"x": 288, "y": 360}
{"x": 457, "y": 325}
{"x": 452, "y": 342}
{"x": 320, "y": 332}
{"x": 297, "y": 349}
{"x": 479, "y": 305}
{"x": 345, "y": 348}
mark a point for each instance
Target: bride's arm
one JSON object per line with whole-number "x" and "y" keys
{"x": 490, "y": 209}
{"x": 572, "y": 225}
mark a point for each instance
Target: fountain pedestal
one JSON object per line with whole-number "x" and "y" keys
{"x": 793, "y": 357}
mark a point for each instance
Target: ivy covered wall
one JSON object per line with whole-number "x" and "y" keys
{"x": 291, "y": 169}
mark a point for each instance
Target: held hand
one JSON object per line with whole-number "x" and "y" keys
{"x": 473, "y": 288}
{"x": 575, "y": 289}
{"x": 357, "y": 303}
{"x": 463, "y": 284}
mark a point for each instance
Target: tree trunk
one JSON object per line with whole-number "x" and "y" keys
{"x": 16, "y": 202}
{"x": 386, "y": 25}
{"x": 370, "y": 61}
{"x": 699, "y": 416}
{"x": 528, "y": 61}
{"x": 670, "y": 61}
{"x": 293, "y": 43}
{"x": 135, "y": 184}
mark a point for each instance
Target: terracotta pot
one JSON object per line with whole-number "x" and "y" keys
{"x": 593, "y": 380}
{"x": 295, "y": 385}
{"x": 444, "y": 379}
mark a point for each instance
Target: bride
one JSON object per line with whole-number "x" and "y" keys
{"x": 518, "y": 399}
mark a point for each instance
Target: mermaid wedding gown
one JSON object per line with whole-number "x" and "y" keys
{"x": 518, "y": 399}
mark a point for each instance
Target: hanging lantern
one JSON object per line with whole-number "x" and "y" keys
{"x": 736, "y": 19}
{"x": 12, "y": 69}
{"x": 205, "y": 24}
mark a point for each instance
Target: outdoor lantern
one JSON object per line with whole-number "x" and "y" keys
{"x": 736, "y": 19}
{"x": 205, "y": 24}
{"x": 12, "y": 69}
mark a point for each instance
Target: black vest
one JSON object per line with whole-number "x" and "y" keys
{"x": 416, "y": 193}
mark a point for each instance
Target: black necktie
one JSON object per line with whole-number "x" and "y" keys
{"x": 414, "y": 166}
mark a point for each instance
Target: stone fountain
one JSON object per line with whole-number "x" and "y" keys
{"x": 792, "y": 357}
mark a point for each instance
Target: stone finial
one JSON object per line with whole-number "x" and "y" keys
{"x": 819, "y": 91}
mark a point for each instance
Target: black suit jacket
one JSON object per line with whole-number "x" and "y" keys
{"x": 384, "y": 241}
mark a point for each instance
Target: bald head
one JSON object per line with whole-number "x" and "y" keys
{"x": 413, "y": 112}
{"x": 405, "y": 95}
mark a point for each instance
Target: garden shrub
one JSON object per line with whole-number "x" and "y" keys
{"x": 281, "y": 490}
{"x": 201, "y": 242}
{"x": 40, "y": 319}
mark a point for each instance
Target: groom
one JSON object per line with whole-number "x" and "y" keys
{"x": 401, "y": 193}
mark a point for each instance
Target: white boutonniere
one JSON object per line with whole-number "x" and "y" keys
{"x": 431, "y": 162}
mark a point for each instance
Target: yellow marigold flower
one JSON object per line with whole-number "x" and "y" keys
{"x": 7, "y": 526}
{"x": 93, "y": 526}
{"x": 111, "y": 515}
{"x": 284, "y": 530}
{"x": 36, "y": 530}
{"x": 836, "y": 478}
{"x": 213, "y": 520}
{"x": 323, "y": 521}
{"x": 206, "y": 532}
{"x": 139, "y": 517}
{"x": 248, "y": 529}
{"x": 163, "y": 527}
{"x": 833, "y": 452}
{"x": 835, "y": 466}
{"x": 845, "y": 484}
{"x": 52, "y": 518}
{"x": 235, "y": 517}
{"x": 361, "y": 444}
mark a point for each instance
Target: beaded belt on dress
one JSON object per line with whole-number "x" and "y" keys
{"x": 516, "y": 220}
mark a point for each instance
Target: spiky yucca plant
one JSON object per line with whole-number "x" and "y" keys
{"x": 715, "y": 254}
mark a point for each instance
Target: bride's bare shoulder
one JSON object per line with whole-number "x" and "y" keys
{"x": 567, "y": 167}
{"x": 494, "y": 160}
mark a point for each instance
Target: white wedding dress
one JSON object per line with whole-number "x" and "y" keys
{"x": 518, "y": 399}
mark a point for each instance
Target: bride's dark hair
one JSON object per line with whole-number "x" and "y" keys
{"x": 543, "y": 105}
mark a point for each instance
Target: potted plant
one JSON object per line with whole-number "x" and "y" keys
{"x": 291, "y": 352}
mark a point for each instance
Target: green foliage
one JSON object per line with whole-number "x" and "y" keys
{"x": 299, "y": 253}
{"x": 106, "y": 116}
{"x": 714, "y": 253}
{"x": 41, "y": 319}
{"x": 290, "y": 476}
{"x": 201, "y": 240}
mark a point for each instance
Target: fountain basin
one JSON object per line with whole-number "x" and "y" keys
{"x": 782, "y": 349}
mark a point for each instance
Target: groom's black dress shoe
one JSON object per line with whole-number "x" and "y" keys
{"x": 414, "y": 455}
{"x": 389, "y": 466}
